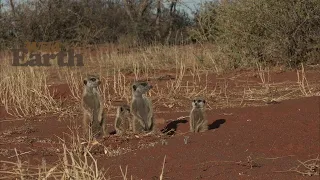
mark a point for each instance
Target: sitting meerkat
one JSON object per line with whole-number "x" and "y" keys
{"x": 141, "y": 108}
{"x": 93, "y": 114}
{"x": 198, "y": 121}
{"x": 123, "y": 120}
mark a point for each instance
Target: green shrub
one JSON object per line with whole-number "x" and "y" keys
{"x": 264, "y": 31}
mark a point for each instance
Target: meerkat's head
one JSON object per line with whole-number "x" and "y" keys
{"x": 198, "y": 102}
{"x": 139, "y": 88}
{"x": 124, "y": 109}
{"x": 92, "y": 81}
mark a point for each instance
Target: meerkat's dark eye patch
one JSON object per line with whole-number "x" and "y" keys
{"x": 93, "y": 79}
{"x": 134, "y": 87}
{"x": 85, "y": 82}
{"x": 121, "y": 108}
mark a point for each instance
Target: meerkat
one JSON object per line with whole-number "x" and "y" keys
{"x": 123, "y": 120}
{"x": 198, "y": 120}
{"x": 92, "y": 105}
{"x": 141, "y": 108}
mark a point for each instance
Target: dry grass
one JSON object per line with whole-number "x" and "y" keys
{"x": 71, "y": 166}
{"x": 309, "y": 167}
{"x": 303, "y": 82}
{"x": 162, "y": 170}
{"x": 76, "y": 161}
{"x": 124, "y": 174}
{"x": 25, "y": 90}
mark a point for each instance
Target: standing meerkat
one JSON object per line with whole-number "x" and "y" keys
{"x": 123, "y": 120}
{"x": 141, "y": 108}
{"x": 92, "y": 105}
{"x": 198, "y": 120}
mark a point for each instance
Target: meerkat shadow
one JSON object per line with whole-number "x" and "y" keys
{"x": 216, "y": 124}
{"x": 171, "y": 128}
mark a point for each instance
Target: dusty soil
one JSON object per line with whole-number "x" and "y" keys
{"x": 248, "y": 142}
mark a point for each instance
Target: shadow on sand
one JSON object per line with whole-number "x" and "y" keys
{"x": 171, "y": 128}
{"x": 216, "y": 124}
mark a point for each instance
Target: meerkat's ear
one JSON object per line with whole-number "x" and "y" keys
{"x": 85, "y": 82}
{"x": 204, "y": 101}
{"x": 134, "y": 87}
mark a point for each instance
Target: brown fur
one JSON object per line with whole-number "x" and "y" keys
{"x": 92, "y": 105}
{"x": 198, "y": 119}
{"x": 123, "y": 120}
{"x": 141, "y": 108}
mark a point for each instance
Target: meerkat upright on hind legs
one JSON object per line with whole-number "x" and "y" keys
{"x": 93, "y": 114}
{"x": 123, "y": 121}
{"x": 198, "y": 120}
{"x": 141, "y": 108}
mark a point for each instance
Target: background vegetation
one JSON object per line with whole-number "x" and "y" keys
{"x": 246, "y": 31}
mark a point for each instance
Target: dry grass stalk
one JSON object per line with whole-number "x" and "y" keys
{"x": 309, "y": 167}
{"x": 303, "y": 82}
{"x": 75, "y": 84}
{"x": 262, "y": 71}
{"x": 161, "y": 175}
{"x": 71, "y": 166}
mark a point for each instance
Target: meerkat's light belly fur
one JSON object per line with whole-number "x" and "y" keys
{"x": 143, "y": 110}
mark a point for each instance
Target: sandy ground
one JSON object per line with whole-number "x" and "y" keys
{"x": 250, "y": 142}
